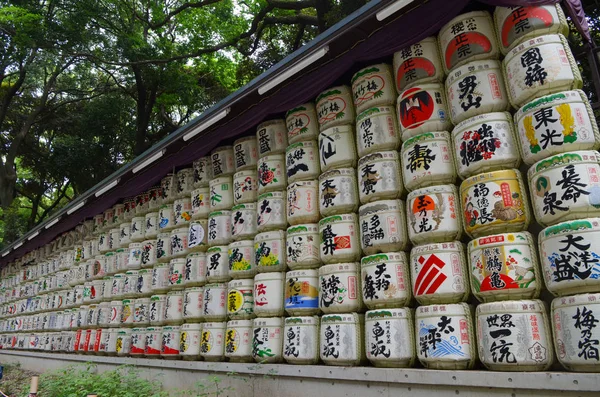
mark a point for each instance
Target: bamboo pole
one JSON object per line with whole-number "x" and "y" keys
{"x": 33, "y": 389}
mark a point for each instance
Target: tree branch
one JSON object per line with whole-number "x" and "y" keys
{"x": 292, "y": 5}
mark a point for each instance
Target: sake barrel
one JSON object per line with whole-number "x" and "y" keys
{"x": 245, "y": 187}
{"x": 340, "y": 288}
{"x": 302, "y": 123}
{"x": 238, "y": 341}
{"x": 504, "y": 266}
{"x": 339, "y": 239}
{"x": 575, "y": 331}
{"x": 223, "y": 163}
{"x": 302, "y": 161}
{"x": 439, "y": 273}
{"x": 494, "y": 202}
{"x": 517, "y": 24}
{"x": 242, "y": 259}
{"x": 113, "y": 238}
{"x": 195, "y": 269}
{"x": 221, "y": 193}
{"x": 466, "y": 38}
{"x": 116, "y": 309}
{"x": 421, "y": 109}
{"x": 200, "y": 203}
{"x": 377, "y": 130}
{"x": 427, "y": 160}
{"x": 148, "y": 255}
{"x": 166, "y": 220}
{"x": 556, "y": 123}
{"x": 212, "y": 347}
{"x": 138, "y": 342}
{"x": 171, "y": 336}
{"x": 302, "y": 243}
{"x": 269, "y": 294}
{"x": 538, "y": 67}
{"x": 111, "y": 341}
{"x": 184, "y": 182}
{"x": 150, "y": 227}
{"x": 302, "y": 202}
{"x": 267, "y": 341}
{"x": 301, "y": 340}
{"x": 418, "y": 63}
{"x": 142, "y": 202}
{"x": 302, "y": 292}
{"x": 245, "y": 151}
{"x": 157, "y": 309}
{"x": 123, "y": 343}
{"x": 334, "y": 107}
{"x": 118, "y": 282}
{"x": 179, "y": 242}
{"x": 272, "y": 137}
{"x": 153, "y": 342}
{"x": 107, "y": 221}
{"x": 189, "y": 341}
{"x": 271, "y": 173}
{"x": 141, "y": 312}
{"x": 160, "y": 277}
{"x": 243, "y": 221}
{"x": 129, "y": 203}
{"x": 389, "y": 337}
{"x": 129, "y": 285}
{"x": 182, "y": 211}
{"x": 379, "y": 177}
{"x": 565, "y": 187}
{"x": 163, "y": 247}
{"x": 214, "y": 302}
{"x": 103, "y": 242}
{"x": 198, "y": 236}
{"x": 341, "y": 339}
{"x": 240, "y": 299}
{"x": 193, "y": 304}
{"x": 217, "y": 264}
{"x": 569, "y": 255}
{"x": 97, "y": 228}
{"x": 176, "y": 271}
{"x": 337, "y": 148}
{"x": 338, "y": 192}
{"x": 219, "y": 228}
{"x": 384, "y": 279}
{"x": 433, "y": 215}
{"x": 155, "y": 198}
{"x": 382, "y": 226}
{"x": 169, "y": 187}
{"x": 202, "y": 171}
{"x": 514, "y": 336}
{"x": 373, "y": 86}
{"x": 269, "y": 249}
{"x": 271, "y": 212}
{"x": 445, "y": 337}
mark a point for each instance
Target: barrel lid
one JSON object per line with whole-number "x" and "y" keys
{"x": 221, "y": 325}
{"x": 309, "y": 183}
{"x": 426, "y": 137}
{"x": 301, "y": 144}
{"x": 337, "y": 172}
{"x": 239, "y": 323}
{"x": 338, "y": 129}
{"x": 270, "y": 235}
{"x": 383, "y": 155}
{"x": 351, "y": 217}
{"x": 302, "y": 273}
{"x": 376, "y": 259}
{"x": 308, "y": 106}
{"x": 333, "y": 91}
{"x": 241, "y": 282}
{"x": 432, "y": 190}
{"x": 403, "y": 312}
{"x": 539, "y": 41}
{"x": 242, "y": 243}
{"x": 378, "y": 68}
{"x": 270, "y": 276}
{"x": 563, "y": 159}
{"x": 381, "y": 205}
{"x": 455, "y": 309}
{"x": 551, "y": 100}
{"x": 219, "y": 213}
{"x": 374, "y": 111}
{"x": 350, "y": 318}
{"x": 220, "y": 180}
{"x": 339, "y": 267}
{"x": 472, "y": 68}
{"x": 306, "y": 320}
{"x": 575, "y": 300}
{"x": 239, "y": 174}
{"x": 272, "y": 157}
{"x": 268, "y": 321}
{"x": 528, "y": 306}
{"x": 303, "y": 228}
{"x": 276, "y": 195}
{"x": 451, "y": 246}
{"x": 579, "y": 225}
{"x": 501, "y": 239}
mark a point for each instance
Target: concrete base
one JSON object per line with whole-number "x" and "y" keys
{"x": 274, "y": 380}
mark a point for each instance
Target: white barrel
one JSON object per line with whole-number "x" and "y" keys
{"x": 373, "y": 86}
{"x": 270, "y": 211}
{"x": 223, "y": 163}
{"x": 271, "y": 173}
{"x": 445, "y": 336}
{"x": 153, "y": 342}
{"x": 439, "y": 273}
{"x": 382, "y": 227}
{"x": 103, "y": 242}
{"x": 179, "y": 242}
{"x": 268, "y": 294}
{"x": 302, "y": 292}
{"x": 189, "y": 341}
{"x": 427, "y": 160}
{"x": 337, "y": 148}
{"x": 107, "y": 222}
{"x": 270, "y": 252}
{"x": 379, "y": 177}
{"x": 335, "y": 107}
{"x": 219, "y": 228}
{"x": 202, "y": 171}
{"x": 215, "y": 308}
{"x": 555, "y": 124}
{"x": 569, "y": 254}
{"x": 302, "y": 161}
{"x": 494, "y": 202}
{"x": 174, "y": 307}
{"x": 198, "y": 236}
{"x": 272, "y": 137}
{"x": 389, "y": 338}
{"x": 176, "y": 272}
{"x": 135, "y": 256}
{"x": 148, "y": 255}
{"x": 565, "y": 187}
{"x": 385, "y": 280}
{"x": 476, "y": 88}
{"x": 267, "y": 341}
{"x": 155, "y": 195}
{"x": 514, "y": 336}
{"x": 245, "y": 151}
{"x": 504, "y": 266}
{"x": 377, "y": 130}
{"x": 184, "y": 182}
{"x": 338, "y": 192}
{"x": 118, "y": 282}
{"x": 240, "y": 299}
{"x": 243, "y": 221}
{"x": 116, "y": 309}
{"x": 168, "y": 186}
{"x": 421, "y": 109}
{"x": 434, "y": 214}
{"x": 301, "y": 340}
{"x": 200, "y": 203}
{"x": 182, "y": 211}
{"x": 129, "y": 211}
{"x": 130, "y": 283}
{"x": 212, "y": 347}
{"x": 195, "y": 269}
{"x": 340, "y": 288}
{"x": 576, "y": 332}
{"x": 137, "y": 229}
{"x": 193, "y": 304}
{"x": 160, "y": 277}
{"x": 485, "y": 143}
{"x": 141, "y": 312}
{"x": 138, "y": 342}
{"x": 217, "y": 264}
{"x": 242, "y": 259}
{"x": 157, "y": 309}
{"x": 339, "y": 239}
{"x": 151, "y": 223}
{"x": 113, "y": 238}
{"x": 166, "y": 220}
{"x": 124, "y": 233}
{"x": 144, "y": 282}
{"x": 302, "y": 123}
{"x": 245, "y": 187}
{"x": 142, "y": 203}
{"x": 238, "y": 341}
{"x": 97, "y": 228}
{"x": 221, "y": 193}
{"x": 302, "y": 243}
{"x": 127, "y": 312}
{"x": 303, "y": 202}
{"x": 123, "y": 344}
{"x": 111, "y": 341}
{"x": 418, "y": 63}
{"x": 341, "y": 339}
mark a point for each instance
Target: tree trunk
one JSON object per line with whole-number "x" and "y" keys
{"x": 8, "y": 181}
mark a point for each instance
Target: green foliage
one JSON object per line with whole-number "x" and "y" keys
{"x": 15, "y": 380}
